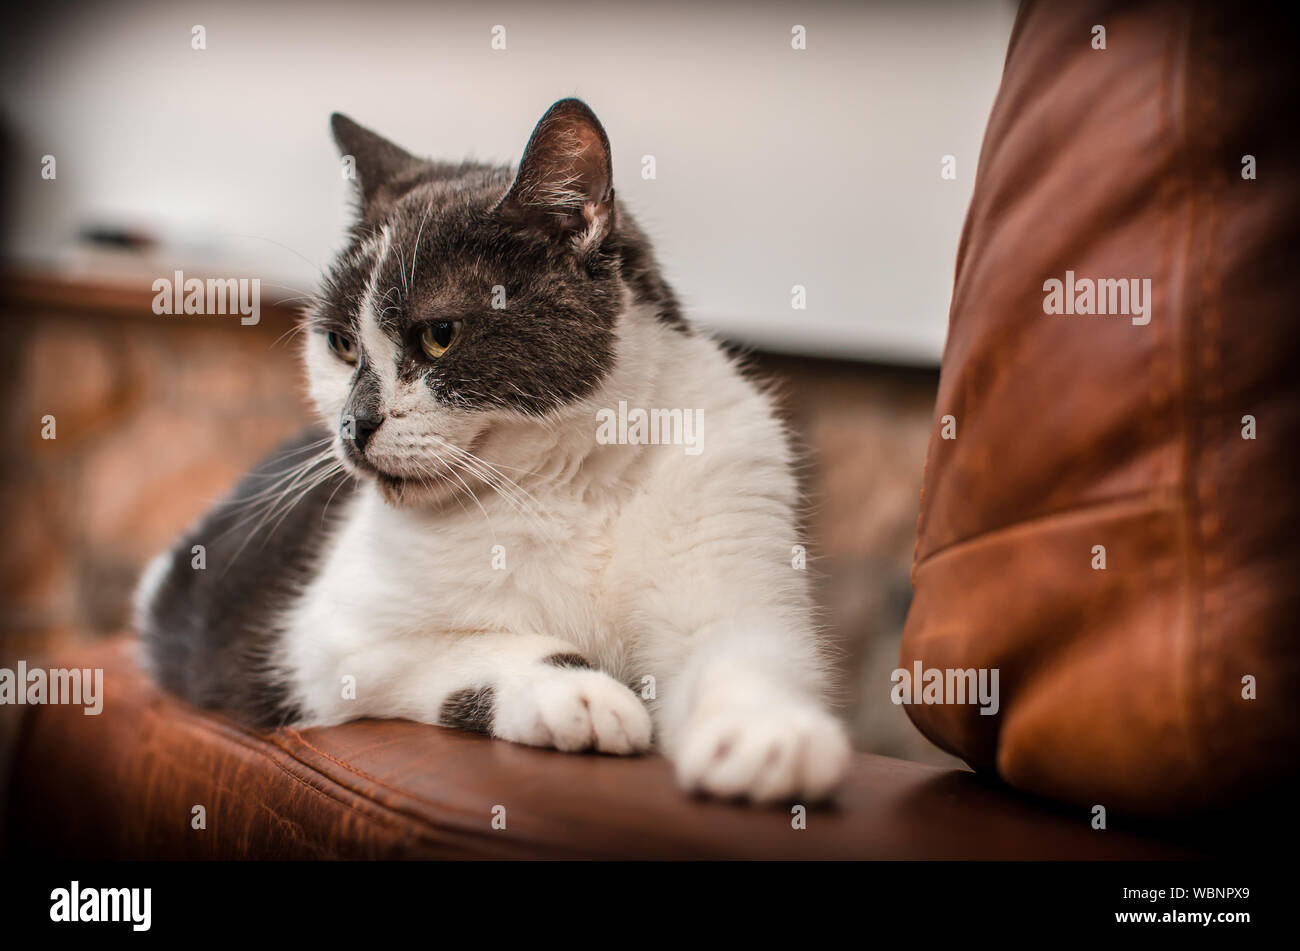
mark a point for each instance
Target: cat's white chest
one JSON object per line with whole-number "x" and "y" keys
{"x": 391, "y": 576}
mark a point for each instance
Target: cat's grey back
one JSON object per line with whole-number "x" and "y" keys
{"x": 209, "y": 615}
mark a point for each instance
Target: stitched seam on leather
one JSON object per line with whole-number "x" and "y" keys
{"x": 442, "y": 807}
{"x": 1164, "y": 374}
{"x": 443, "y": 834}
{"x": 534, "y": 843}
{"x": 398, "y": 819}
{"x": 381, "y": 819}
{"x": 258, "y": 744}
{"x": 1188, "y": 358}
{"x": 1183, "y": 334}
{"x": 347, "y": 767}
{"x": 1208, "y": 418}
{"x": 370, "y": 797}
{"x": 386, "y": 816}
{"x": 358, "y": 772}
{"x": 1145, "y": 499}
{"x": 236, "y": 735}
{"x": 411, "y": 825}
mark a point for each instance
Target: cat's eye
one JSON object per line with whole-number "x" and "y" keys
{"x": 344, "y": 347}
{"x": 436, "y": 338}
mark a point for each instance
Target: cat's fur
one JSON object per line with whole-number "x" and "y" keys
{"x": 383, "y": 592}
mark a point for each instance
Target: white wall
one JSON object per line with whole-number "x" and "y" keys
{"x": 775, "y": 167}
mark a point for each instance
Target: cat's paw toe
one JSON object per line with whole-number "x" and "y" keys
{"x": 575, "y": 710}
{"x": 783, "y": 753}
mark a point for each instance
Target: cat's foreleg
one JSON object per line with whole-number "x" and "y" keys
{"x": 526, "y": 688}
{"x": 741, "y": 680}
{"x": 746, "y": 715}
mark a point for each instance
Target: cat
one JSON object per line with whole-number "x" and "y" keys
{"x": 454, "y": 545}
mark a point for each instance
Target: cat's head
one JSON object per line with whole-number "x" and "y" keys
{"x": 469, "y": 297}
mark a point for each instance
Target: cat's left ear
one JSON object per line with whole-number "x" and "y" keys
{"x": 565, "y": 185}
{"x": 377, "y": 161}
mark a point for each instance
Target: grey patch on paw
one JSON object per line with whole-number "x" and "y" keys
{"x": 469, "y": 709}
{"x": 568, "y": 661}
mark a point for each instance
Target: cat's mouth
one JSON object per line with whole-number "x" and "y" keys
{"x": 392, "y": 482}
{"x": 405, "y": 489}
{"x": 395, "y": 483}
{"x": 410, "y": 481}
{"x": 397, "y": 489}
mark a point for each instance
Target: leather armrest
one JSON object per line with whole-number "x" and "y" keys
{"x": 124, "y": 784}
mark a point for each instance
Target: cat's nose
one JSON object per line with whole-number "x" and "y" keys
{"x": 363, "y": 427}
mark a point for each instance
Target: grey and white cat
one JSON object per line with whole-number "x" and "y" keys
{"x": 457, "y": 543}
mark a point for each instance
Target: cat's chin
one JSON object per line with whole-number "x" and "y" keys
{"x": 400, "y": 492}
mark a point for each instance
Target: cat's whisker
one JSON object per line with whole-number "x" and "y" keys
{"x": 510, "y": 500}
{"x": 415, "y": 252}
{"x": 502, "y": 484}
{"x": 302, "y": 257}
{"x": 301, "y": 293}
{"x": 455, "y": 475}
{"x": 306, "y": 490}
{"x": 468, "y": 462}
{"x": 317, "y": 454}
{"x": 288, "y": 500}
{"x": 272, "y": 493}
{"x": 325, "y": 509}
{"x": 292, "y": 331}
{"x": 456, "y": 495}
{"x": 276, "y": 492}
{"x": 499, "y": 481}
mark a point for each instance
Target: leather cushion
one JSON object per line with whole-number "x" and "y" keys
{"x": 1123, "y": 686}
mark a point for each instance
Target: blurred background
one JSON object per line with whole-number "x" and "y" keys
{"x": 825, "y": 146}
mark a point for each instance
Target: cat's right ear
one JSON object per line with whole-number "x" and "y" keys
{"x": 565, "y": 183}
{"x": 375, "y": 160}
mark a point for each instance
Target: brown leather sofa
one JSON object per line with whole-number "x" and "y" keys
{"x": 1119, "y": 687}
{"x": 1114, "y": 525}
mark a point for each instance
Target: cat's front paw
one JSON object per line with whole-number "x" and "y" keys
{"x": 784, "y": 752}
{"x": 574, "y": 710}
